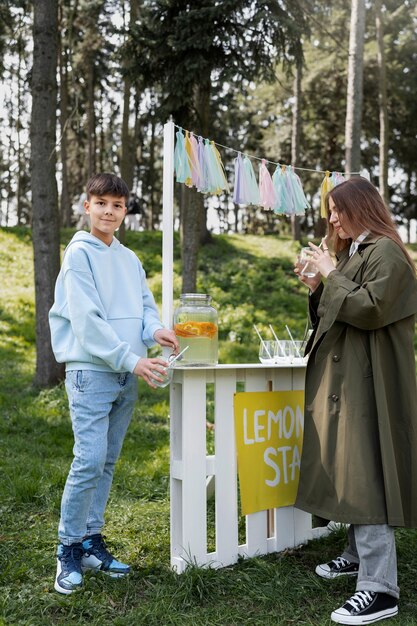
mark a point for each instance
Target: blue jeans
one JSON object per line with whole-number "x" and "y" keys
{"x": 101, "y": 407}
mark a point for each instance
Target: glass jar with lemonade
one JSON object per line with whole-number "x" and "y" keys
{"x": 195, "y": 325}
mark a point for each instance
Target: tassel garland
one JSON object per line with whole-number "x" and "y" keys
{"x": 198, "y": 164}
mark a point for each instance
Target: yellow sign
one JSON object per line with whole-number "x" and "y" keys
{"x": 269, "y": 437}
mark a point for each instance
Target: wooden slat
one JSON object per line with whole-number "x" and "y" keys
{"x": 302, "y": 527}
{"x": 257, "y": 523}
{"x": 284, "y": 528}
{"x": 176, "y": 528}
{"x": 194, "y": 504}
{"x": 226, "y": 469}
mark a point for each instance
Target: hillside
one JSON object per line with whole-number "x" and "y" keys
{"x": 251, "y": 281}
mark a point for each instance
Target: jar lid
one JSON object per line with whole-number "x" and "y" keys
{"x": 200, "y": 297}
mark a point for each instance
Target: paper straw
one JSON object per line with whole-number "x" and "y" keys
{"x": 275, "y": 336}
{"x": 178, "y": 356}
{"x": 262, "y": 341}
{"x": 293, "y": 342}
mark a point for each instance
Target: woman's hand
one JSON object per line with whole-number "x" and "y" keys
{"x": 321, "y": 259}
{"x": 312, "y": 282}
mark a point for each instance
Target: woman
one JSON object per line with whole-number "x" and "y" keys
{"x": 359, "y": 461}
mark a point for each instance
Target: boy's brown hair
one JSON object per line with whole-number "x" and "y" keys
{"x": 106, "y": 183}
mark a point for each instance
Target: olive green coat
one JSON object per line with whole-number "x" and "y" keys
{"x": 359, "y": 460}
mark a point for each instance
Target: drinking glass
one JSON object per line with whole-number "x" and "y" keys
{"x": 267, "y": 350}
{"x": 307, "y": 268}
{"x": 166, "y": 377}
{"x": 284, "y": 352}
{"x": 298, "y": 348}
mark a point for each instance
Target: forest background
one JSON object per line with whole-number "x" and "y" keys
{"x": 88, "y": 84}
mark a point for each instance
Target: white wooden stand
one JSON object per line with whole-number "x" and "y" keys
{"x": 266, "y": 531}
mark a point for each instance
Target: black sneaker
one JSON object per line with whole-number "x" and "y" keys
{"x": 337, "y": 567}
{"x": 68, "y": 572}
{"x": 366, "y": 607}
{"x": 97, "y": 557}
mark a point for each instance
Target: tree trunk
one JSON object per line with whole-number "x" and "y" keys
{"x": 192, "y": 217}
{"x": 295, "y": 139}
{"x": 91, "y": 117}
{"x": 202, "y": 105}
{"x": 193, "y": 227}
{"x": 354, "y": 90}
{"x": 236, "y": 216}
{"x": 383, "y": 106}
{"x": 20, "y": 116}
{"x": 127, "y": 158}
{"x": 65, "y": 204}
{"x": 153, "y": 209}
{"x": 43, "y": 182}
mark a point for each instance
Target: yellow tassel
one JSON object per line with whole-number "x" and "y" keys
{"x": 326, "y": 186}
{"x": 188, "y": 149}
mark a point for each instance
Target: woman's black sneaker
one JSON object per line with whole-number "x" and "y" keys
{"x": 337, "y": 567}
{"x": 366, "y": 607}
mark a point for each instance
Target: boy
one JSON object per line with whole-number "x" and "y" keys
{"x": 103, "y": 319}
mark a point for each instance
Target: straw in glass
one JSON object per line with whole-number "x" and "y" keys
{"x": 293, "y": 342}
{"x": 262, "y": 341}
{"x": 275, "y": 336}
{"x": 319, "y": 246}
{"x": 178, "y": 356}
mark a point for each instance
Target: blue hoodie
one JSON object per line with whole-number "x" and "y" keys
{"x": 104, "y": 315}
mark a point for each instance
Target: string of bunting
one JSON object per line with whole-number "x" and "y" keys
{"x": 198, "y": 164}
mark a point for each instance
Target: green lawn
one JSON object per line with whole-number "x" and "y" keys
{"x": 251, "y": 281}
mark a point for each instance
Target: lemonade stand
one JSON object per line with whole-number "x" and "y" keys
{"x": 194, "y": 471}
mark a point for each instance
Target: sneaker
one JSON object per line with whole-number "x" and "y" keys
{"x": 96, "y": 557}
{"x": 68, "y": 573}
{"x": 366, "y": 607}
{"x": 337, "y": 567}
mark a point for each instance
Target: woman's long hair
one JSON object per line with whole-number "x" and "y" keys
{"x": 359, "y": 203}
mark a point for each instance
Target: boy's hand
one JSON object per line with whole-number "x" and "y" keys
{"x": 166, "y": 337}
{"x": 148, "y": 369}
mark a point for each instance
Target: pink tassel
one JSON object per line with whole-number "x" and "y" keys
{"x": 266, "y": 187}
{"x": 196, "y": 174}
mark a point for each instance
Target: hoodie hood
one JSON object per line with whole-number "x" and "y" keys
{"x": 84, "y": 236}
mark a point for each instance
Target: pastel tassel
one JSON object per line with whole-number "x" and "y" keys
{"x": 337, "y": 178}
{"x": 283, "y": 202}
{"x": 266, "y": 187}
{"x": 288, "y": 188}
{"x": 326, "y": 186}
{"x": 239, "y": 195}
{"x": 182, "y": 162}
{"x": 250, "y": 183}
{"x": 195, "y": 163}
{"x": 187, "y": 143}
{"x": 299, "y": 199}
{"x": 203, "y": 186}
{"x": 216, "y": 175}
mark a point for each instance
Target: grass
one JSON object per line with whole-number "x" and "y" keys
{"x": 251, "y": 281}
